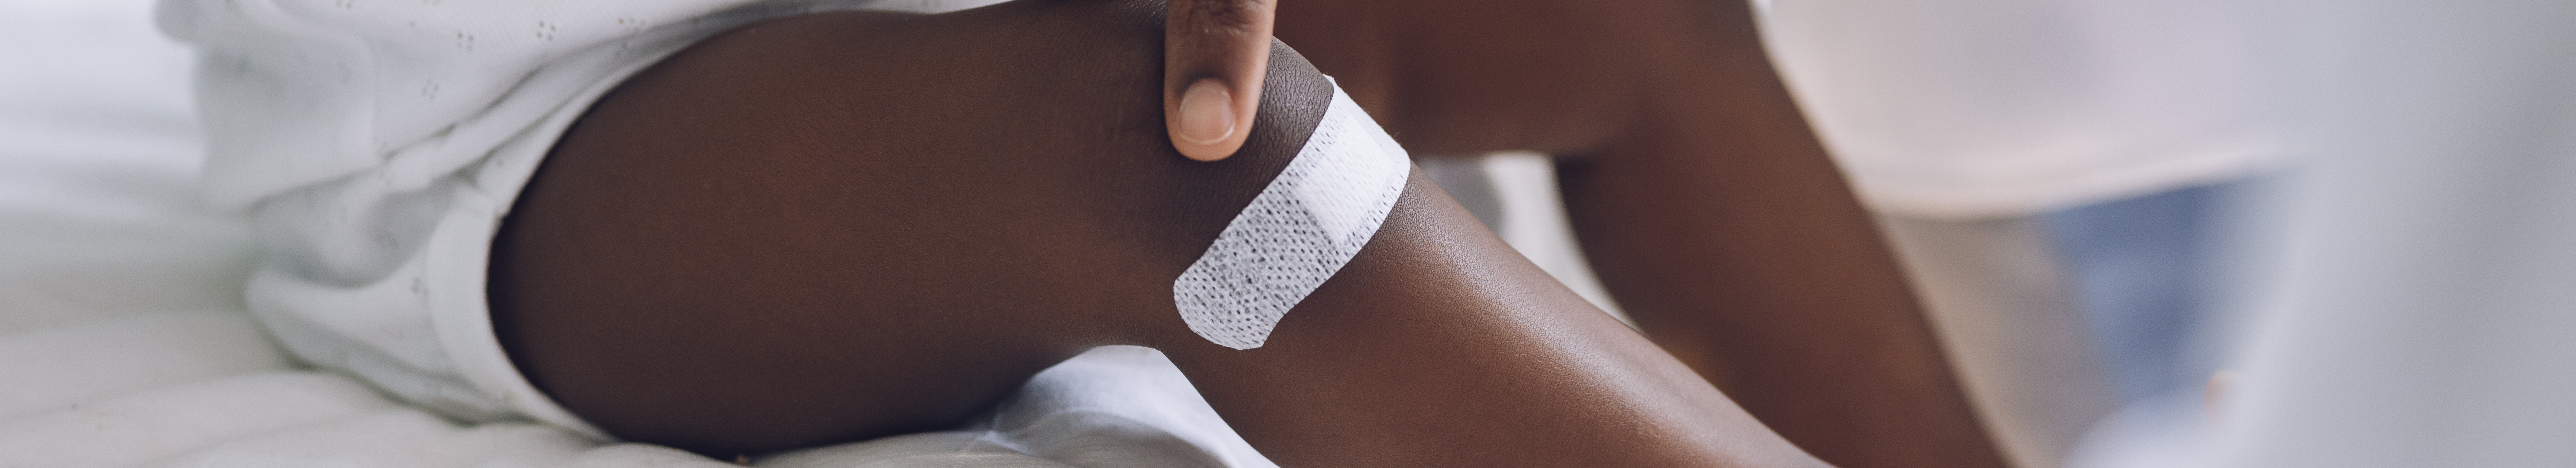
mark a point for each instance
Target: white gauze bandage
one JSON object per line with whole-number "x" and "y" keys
{"x": 1302, "y": 228}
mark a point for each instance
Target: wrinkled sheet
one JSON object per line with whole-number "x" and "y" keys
{"x": 123, "y": 342}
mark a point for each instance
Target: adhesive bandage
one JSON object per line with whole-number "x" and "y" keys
{"x": 1302, "y": 228}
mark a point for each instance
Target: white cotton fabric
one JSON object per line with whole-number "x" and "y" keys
{"x": 1972, "y": 109}
{"x": 376, "y": 146}
{"x": 1301, "y": 229}
{"x": 2413, "y": 298}
{"x": 124, "y": 342}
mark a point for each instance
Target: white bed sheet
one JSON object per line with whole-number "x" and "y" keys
{"x": 123, "y": 341}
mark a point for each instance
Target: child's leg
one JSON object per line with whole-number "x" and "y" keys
{"x": 840, "y": 226}
{"x": 1708, "y": 208}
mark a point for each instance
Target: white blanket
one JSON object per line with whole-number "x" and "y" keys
{"x": 123, "y": 341}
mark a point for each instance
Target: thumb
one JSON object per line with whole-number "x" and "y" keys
{"x": 1214, "y": 55}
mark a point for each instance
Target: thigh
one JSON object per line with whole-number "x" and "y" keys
{"x": 848, "y": 225}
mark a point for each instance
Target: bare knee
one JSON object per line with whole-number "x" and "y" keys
{"x": 846, "y": 225}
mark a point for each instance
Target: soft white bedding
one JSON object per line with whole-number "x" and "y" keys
{"x": 123, "y": 341}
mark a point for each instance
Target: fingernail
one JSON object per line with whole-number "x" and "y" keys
{"x": 1207, "y": 112}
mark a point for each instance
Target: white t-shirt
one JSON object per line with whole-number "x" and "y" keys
{"x": 1991, "y": 108}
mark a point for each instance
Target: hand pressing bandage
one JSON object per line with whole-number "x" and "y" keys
{"x": 1304, "y": 226}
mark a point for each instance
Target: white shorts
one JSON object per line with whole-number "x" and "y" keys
{"x": 377, "y": 146}
{"x": 422, "y": 329}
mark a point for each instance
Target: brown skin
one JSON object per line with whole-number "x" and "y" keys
{"x": 723, "y": 247}
{"x": 1703, "y": 200}
{"x": 745, "y": 249}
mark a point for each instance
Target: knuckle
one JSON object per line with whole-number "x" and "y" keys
{"x": 1227, "y": 16}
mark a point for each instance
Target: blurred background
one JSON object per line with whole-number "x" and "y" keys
{"x": 2167, "y": 233}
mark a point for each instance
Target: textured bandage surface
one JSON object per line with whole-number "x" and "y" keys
{"x": 1302, "y": 228}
